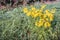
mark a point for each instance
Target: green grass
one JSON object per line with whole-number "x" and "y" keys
{"x": 15, "y": 25}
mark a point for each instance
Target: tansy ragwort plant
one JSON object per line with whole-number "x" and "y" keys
{"x": 45, "y": 16}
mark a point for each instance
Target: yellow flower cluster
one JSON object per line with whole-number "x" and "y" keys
{"x": 46, "y": 16}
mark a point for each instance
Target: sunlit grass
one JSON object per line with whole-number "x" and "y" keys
{"x": 15, "y": 25}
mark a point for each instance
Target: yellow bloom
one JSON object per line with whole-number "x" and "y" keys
{"x": 47, "y": 11}
{"x": 32, "y": 14}
{"x": 25, "y": 10}
{"x": 39, "y": 24}
{"x": 28, "y": 14}
{"x": 37, "y": 11}
{"x": 41, "y": 20}
{"x": 47, "y": 24}
{"x": 50, "y": 15}
{"x": 44, "y": 15}
{"x": 51, "y": 18}
{"x": 35, "y": 15}
{"x": 41, "y": 15}
{"x": 36, "y": 23}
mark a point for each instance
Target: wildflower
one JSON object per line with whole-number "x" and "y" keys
{"x": 46, "y": 19}
{"x": 39, "y": 24}
{"x": 51, "y": 18}
{"x": 36, "y": 23}
{"x": 47, "y": 11}
{"x": 28, "y": 13}
{"x": 32, "y": 14}
{"x": 35, "y": 15}
{"x": 25, "y": 10}
{"x": 40, "y": 14}
{"x": 43, "y": 16}
{"x": 41, "y": 20}
{"x": 47, "y": 24}
{"x": 37, "y": 11}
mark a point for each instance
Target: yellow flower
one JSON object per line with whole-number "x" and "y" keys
{"x": 39, "y": 24}
{"x": 47, "y": 24}
{"x": 47, "y": 11}
{"x": 25, "y": 10}
{"x": 50, "y": 15}
{"x": 32, "y": 14}
{"x": 41, "y": 15}
{"x": 51, "y": 18}
{"x": 28, "y": 14}
{"x": 37, "y": 11}
{"x": 46, "y": 19}
{"x": 44, "y": 15}
{"x": 35, "y": 15}
{"x": 41, "y": 20}
{"x": 36, "y": 23}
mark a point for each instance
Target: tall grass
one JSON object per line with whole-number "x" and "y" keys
{"x": 15, "y": 25}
